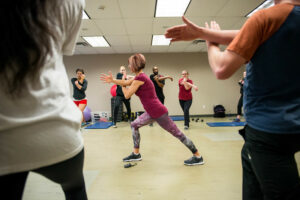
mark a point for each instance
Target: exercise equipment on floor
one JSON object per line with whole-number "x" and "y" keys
{"x": 87, "y": 114}
{"x": 100, "y": 125}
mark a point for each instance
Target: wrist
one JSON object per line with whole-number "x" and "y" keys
{"x": 201, "y": 32}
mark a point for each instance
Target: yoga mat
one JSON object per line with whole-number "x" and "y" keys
{"x": 177, "y": 118}
{"x": 100, "y": 125}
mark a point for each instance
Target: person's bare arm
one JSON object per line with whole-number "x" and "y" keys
{"x": 108, "y": 78}
{"x": 165, "y": 77}
{"x": 156, "y": 79}
{"x": 128, "y": 92}
{"x": 190, "y": 31}
{"x": 225, "y": 63}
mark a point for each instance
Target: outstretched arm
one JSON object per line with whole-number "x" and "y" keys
{"x": 188, "y": 85}
{"x": 165, "y": 77}
{"x": 108, "y": 78}
{"x": 190, "y": 31}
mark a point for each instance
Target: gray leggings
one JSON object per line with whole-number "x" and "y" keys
{"x": 166, "y": 123}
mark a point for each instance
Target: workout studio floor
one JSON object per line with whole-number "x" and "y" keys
{"x": 161, "y": 174}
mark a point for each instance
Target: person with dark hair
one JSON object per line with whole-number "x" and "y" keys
{"x": 79, "y": 87}
{"x": 120, "y": 98}
{"x": 185, "y": 96}
{"x": 159, "y": 83}
{"x": 269, "y": 43}
{"x": 143, "y": 87}
{"x": 40, "y": 125}
{"x": 240, "y": 103}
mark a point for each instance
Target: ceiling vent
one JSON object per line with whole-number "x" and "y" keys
{"x": 198, "y": 41}
{"x": 82, "y": 44}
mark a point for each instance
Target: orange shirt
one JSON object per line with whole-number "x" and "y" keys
{"x": 258, "y": 28}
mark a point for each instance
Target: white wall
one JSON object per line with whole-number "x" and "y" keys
{"x": 211, "y": 91}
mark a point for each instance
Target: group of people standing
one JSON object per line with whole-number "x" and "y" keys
{"x": 155, "y": 111}
{"x": 158, "y": 80}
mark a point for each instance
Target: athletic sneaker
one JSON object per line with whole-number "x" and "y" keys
{"x": 194, "y": 161}
{"x": 133, "y": 157}
{"x": 114, "y": 126}
{"x": 151, "y": 124}
{"x": 186, "y": 127}
{"x": 236, "y": 120}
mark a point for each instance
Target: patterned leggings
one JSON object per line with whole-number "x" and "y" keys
{"x": 166, "y": 123}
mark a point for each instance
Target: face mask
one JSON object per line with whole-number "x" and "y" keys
{"x": 155, "y": 73}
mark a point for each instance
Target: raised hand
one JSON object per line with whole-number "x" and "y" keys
{"x": 196, "y": 88}
{"x": 213, "y": 25}
{"x": 106, "y": 78}
{"x": 186, "y": 32}
{"x": 171, "y": 78}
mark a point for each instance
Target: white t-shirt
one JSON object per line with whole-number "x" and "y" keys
{"x": 43, "y": 128}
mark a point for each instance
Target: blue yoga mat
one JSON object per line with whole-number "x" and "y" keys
{"x": 177, "y": 118}
{"x": 100, "y": 125}
{"x": 221, "y": 124}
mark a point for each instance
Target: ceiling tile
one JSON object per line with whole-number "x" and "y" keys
{"x": 111, "y": 26}
{"x": 238, "y": 7}
{"x": 118, "y": 40}
{"x": 88, "y": 28}
{"x": 104, "y": 9}
{"x": 140, "y": 39}
{"x": 138, "y": 26}
{"x": 123, "y": 49}
{"x": 205, "y": 7}
{"x": 140, "y": 48}
{"x": 137, "y": 8}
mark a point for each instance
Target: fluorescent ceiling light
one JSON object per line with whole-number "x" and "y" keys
{"x": 160, "y": 40}
{"x": 171, "y": 8}
{"x": 96, "y": 41}
{"x": 265, "y": 4}
{"x": 85, "y": 15}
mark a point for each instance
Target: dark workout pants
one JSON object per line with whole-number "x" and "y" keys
{"x": 67, "y": 173}
{"x": 269, "y": 167}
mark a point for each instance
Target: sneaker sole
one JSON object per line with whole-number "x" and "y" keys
{"x": 201, "y": 163}
{"x": 139, "y": 159}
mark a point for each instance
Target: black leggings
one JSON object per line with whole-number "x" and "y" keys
{"x": 185, "y": 105}
{"x": 118, "y": 103}
{"x": 269, "y": 168}
{"x": 240, "y": 105}
{"x": 67, "y": 173}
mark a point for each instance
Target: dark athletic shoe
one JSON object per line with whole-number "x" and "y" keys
{"x": 132, "y": 157}
{"x": 194, "y": 161}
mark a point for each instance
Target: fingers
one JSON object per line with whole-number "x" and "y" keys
{"x": 175, "y": 28}
{"x": 103, "y": 77}
{"x": 213, "y": 25}
{"x": 206, "y": 25}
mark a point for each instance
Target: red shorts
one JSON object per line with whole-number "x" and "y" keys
{"x": 83, "y": 101}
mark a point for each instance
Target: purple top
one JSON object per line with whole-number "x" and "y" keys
{"x": 147, "y": 95}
